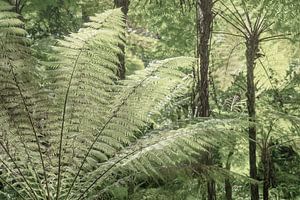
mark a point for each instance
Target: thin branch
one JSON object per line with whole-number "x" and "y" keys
{"x": 239, "y": 21}
{"x": 248, "y": 19}
{"x": 257, "y": 143}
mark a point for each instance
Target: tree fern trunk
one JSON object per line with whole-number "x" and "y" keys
{"x": 266, "y": 161}
{"x": 251, "y": 53}
{"x": 228, "y": 189}
{"x": 124, "y": 5}
{"x": 204, "y": 24}
{"x": 84, "y": 14}
{"x": 228, "y": 185}
{"x": 17, "y": 5}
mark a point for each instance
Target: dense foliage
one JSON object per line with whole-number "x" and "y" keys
{"x": 73, "y": 125}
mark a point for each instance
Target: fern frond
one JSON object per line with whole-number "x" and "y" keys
{"x": 81, "y": 84}
{"x": 18, "y": 87}
{"x": 162, "y": 149}
{"x": 136, "y": 98}
{"x": 44, "y": 113}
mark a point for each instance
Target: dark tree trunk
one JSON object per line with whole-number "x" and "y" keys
{"x": 204, "y": 26}
{"x": 18, "y": 5}
{"x": 267, "y": 169}
{"x": 251, "y": 55}
{"x": 228, "y": 189}
{"x": 228, "y": 185}
{"x": 124, "y": 5}
{"x": 84, "y": 14}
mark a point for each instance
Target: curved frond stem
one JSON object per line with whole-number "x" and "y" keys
{"x": 26, "y": 152}
{"x": 249, "y": 29}
{"x": 269, "y": 132}
{"x": 249, "y": 21}
{"x": 285, "y": 142}
{"x": 31, "y": 192}
{"x": 232, "y": 24}
{"x": 256, "y": 23}
{"x": 231, "y": 53}
{"x": 106, "y": 171}
{"x": 264, "y": 26}
{"x": 63, "y": 124}
{"x": 257, "y": 143}
{"x": 227, "y": 33}
{"x": 114, "y": 113}
{"x": 143, "y": 150}
{"x": 34, "y": 169}
{"x": 265, "y": 70}
{"x": 275, "y": 37}
{"x": 218, "y": 11}
{"x": 123, "y": 158}
{"x": 260, "y": 21}
{"x": 237, "y": 18}
{"x": 215, "y": 1}
{"x": 12, "y": 187}
{"x": 32, "y": 126}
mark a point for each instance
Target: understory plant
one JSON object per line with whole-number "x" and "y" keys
{"x": 70, "y": 129}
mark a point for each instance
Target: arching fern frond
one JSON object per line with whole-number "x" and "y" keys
{"x": 162, "y": 149}
{"x": 43, "y": 113}
{"x": 19, "y": 94}
{"x": 136, "y": 99}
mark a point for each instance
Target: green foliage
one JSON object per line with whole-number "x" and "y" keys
{"x": 69, "y": 129}
{"x": 76, "y": 123}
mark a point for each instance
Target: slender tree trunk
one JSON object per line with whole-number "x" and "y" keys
{"x": 84, "y": 14}
{"x": 18, "y": 5}
{"x": 228, "y": 185}
{"x": 228, "y": 189}
{"x": 124, "y": 5}
{"x": 267, "y": 166}
{"x": 204, "y": 26}
{"x": 251, "y": 55}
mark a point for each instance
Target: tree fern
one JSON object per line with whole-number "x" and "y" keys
{"x": 68, "y": 124}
